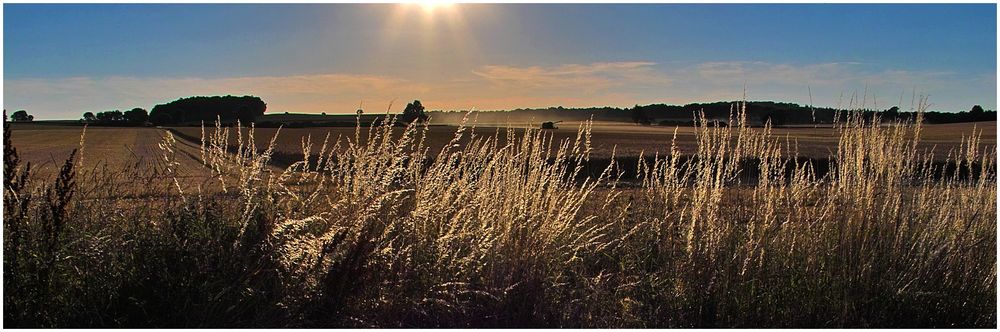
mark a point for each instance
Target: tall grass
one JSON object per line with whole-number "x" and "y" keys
{"x": 505, "y": 229}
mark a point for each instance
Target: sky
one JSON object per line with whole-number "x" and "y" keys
{"x": 60, "y": 60}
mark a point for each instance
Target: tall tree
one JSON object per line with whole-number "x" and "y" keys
{"x": 414, "y": 112}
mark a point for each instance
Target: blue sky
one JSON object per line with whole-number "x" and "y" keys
{"x": 62, "y": 60}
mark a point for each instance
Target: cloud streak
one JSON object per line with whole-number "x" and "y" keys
{"x": 591, "y": 77}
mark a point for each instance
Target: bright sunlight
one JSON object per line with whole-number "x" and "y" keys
{"x": 430, "y": 6}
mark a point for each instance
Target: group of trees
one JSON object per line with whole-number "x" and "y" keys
{"x": 20, "y": 116}
{"x": 134, "y": 117}
{"x": 246, "y": 109}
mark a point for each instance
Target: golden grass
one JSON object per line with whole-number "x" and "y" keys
{"x": 501, "y": 227}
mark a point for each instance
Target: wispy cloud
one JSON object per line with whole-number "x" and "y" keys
{"x": 504, "y": 87}
{"x": 588, "y": 77}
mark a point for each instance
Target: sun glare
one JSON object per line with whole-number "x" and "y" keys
{"x": 430, "y": 6}
{"x": 433, "y": 25}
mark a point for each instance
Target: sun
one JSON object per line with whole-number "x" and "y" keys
{"x": 430, "y": 6}
{"x": 433, "y": 25}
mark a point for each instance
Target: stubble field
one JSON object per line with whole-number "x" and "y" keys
{"x": 628, "y": 140}
{"x": 46, "y": 146}
{"x": 420, "y": 227}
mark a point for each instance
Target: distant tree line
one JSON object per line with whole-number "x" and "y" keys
{"x": 246, "y": 109}
{"x": 134, "y": 117}
{"x": 977, "y": 113}
{"x": 778, "y": 113}
{"x": 758, "y": 111}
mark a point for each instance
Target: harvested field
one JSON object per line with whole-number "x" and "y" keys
{"x": 631, "y": 140}
{"x": 135, "y": 149}
{"x": 46, "y": 146}
{"x": 495, "y": 232}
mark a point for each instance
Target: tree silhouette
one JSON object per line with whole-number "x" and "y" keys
{"x": 136, "y": 116}
{"x": 891, "y": 114}
{"x": 89, "y": 117}
{"x": 161, "y": 118}
{"x": 246, "y": 109}
{"x": 21, "y": 116}
{"x": 976, "y": 110}
{"x": 110, "y": 117}
{"x": 246, "y": 115}
{"x": 639, "y": 115}
{"x": 776, "y": 118}
{"x": 414, "y": 112}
